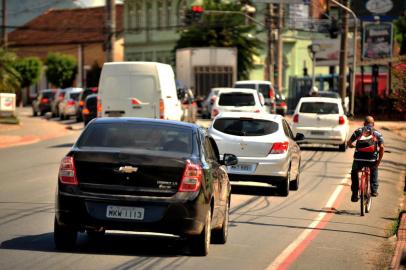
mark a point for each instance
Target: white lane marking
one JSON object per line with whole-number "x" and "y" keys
{"x": 302, "y": 237}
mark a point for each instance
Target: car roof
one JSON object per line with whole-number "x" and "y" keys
{"x": 147, "y": 121}
{"x": 220, "y": 88}
{"x": 238, "y": 90}
{"x": 253, "y": 82}
{"x": 260, "y": 116}
{"x": 320, "y": 99}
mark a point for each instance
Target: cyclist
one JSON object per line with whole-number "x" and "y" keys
{"x": 369, "y": 149}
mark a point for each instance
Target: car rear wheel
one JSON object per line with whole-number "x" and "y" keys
{"x": 64, "y": 236}
{"x": 342, "y": 147}
{"x": 200, "y": 244}
{"x": 220, "y": 235}
{"x": 283, "y": 187}
{"x": 34, "y": 113}
{"x": 294, "y": 184}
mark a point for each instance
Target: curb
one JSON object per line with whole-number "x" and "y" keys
{"x": 399, "y": 256}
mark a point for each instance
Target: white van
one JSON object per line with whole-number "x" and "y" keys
{"x": 138, "y": 89}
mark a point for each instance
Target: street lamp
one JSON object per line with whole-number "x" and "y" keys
{"x": 313, "y": 49}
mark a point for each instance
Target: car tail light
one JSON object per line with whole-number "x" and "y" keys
{"x": 99, "y": 107}
{"x": 192, "y": 178}
{"x": 85, "y": 111}
{"x": 94, "y": 89}
{"x": 296, "y": 118}
{"x": 215, "y": 112}
{"x": 161, "y": 109}
{"x": 67, "y": 172}
{"x": 279, "y": 148}
{"x": 44, "y": 100}
{"x": 282, "y": 104}
{"x": 70, "y": 102}
{"x": 257, "y": 111}
{"x": 341, "y": 120}
{"x": 81, "y": 103}
{"x": 271, "y": 93}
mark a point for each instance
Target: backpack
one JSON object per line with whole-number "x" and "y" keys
{"x": 366, "y": 146}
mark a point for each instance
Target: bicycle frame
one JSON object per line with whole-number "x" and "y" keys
{"x": 364, "y": 190}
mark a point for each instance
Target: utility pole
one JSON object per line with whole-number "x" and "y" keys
{"x": 343, "y": 53}
{"x": 110, "y": 21}
{"x": 4, "y": 23}
{"x": 269, "y": 67}
{"x": 280, "y": 47}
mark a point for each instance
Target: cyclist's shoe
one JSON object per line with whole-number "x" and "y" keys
{"x": 354, "y": 197}
{"x": 374, "y": 194}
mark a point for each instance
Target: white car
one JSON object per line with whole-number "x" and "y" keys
{"x": 68, "y": 106}
{"x": 264, "y": 144}
{"x": 237, "y": 100}
{"x": 322, "y": 121}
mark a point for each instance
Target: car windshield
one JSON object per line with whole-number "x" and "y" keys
{"x": 49, "y": 95}
{"x": 138, "y": 136}
{"x": 245, "y": 126}
{"x": 319, "y": 107}
{"x": 236, "y": 99}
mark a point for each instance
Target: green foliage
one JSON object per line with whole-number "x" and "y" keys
{"x": 61, "y": 69}
{"x": 400, "y": 32}
{"x": 223, "y": 30}
{"x": 30, "y": 69}
{"x": 399, "y": 87}
{"x": 9, "y": 77}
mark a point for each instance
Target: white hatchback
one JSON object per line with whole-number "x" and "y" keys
{"x": 322, "y": 121}
{"x": 237, "y": 100}
{"x": 264, "y": 144}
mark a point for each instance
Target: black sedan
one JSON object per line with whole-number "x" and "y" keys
{"x": 147, "y": 175}
{"x": 89, "y": 110}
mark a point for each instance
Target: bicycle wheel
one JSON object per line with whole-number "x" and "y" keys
{"x": 368, "y": 197}
{"x": 362, "y": 193}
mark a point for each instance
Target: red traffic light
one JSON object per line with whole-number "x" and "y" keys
{"x": 197, "y": 9}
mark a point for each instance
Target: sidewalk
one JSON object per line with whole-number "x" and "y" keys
{"x": 30, "y": 130}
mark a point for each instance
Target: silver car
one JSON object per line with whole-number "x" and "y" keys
{"x": 68, "y": 106}
{"x": 264, "y": 144}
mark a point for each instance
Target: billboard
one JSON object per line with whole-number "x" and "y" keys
{"x": 328, "y": 53}
{"x": 377, "y": 41}
{"x": 385, "y": 9}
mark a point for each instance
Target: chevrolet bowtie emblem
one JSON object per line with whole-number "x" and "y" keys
{"x": 128, "y": 169}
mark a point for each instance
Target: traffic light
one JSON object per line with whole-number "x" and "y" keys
{"x": 193, "y": 15}
{"x": 334, "y": 29}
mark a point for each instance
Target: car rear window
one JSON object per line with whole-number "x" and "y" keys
{"x": 245, "y": 126}
{"x": 49, "y": 95}
{"x": 319, "y": 107}
{"x": 91, "y": 102}
{"x": 264, "y": 89}
{"x": 329, "y": 94}
{"x": 236, "y": 99}
{"x": 74, "y": 96}
{"x": 246, "y": 86}
{"x": 138, "y": 136}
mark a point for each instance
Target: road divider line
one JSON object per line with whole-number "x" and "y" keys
{"x": 293, "y": 251}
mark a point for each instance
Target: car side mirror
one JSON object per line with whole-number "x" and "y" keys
{"x": 229, "y": 160}
{"x": 299, "y": 137}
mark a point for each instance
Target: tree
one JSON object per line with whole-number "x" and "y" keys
{"x": 61, "y": 69}
{"x": 9, "y": 77}
{"x": 223, "y": 30}
{"x": 400, "y": 33}
{"x": 30, "y": 69}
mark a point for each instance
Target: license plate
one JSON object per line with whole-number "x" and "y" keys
{"x": 317, "y": 132}
{"x": 115, "y": 114}
{"x": 123, "y": 212}
{"x": 241, "y": 168}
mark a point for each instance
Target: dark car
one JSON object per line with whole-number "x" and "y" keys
{"x": 42, "y": 104}
{"x": 281, "y": 106}
{"x": 59, "y": 96}
{"x": 89, "y": 110}
{"x": 137, "y": 174}
{"x": 81, "y": 101}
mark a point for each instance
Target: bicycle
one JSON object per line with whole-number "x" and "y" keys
{"x": 364, "y": 190}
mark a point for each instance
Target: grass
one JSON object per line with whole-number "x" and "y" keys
{"x": 12, "y": 120}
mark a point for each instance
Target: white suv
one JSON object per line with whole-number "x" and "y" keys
{"x": 322, "y": 121}
{"x": 237, "y": 100}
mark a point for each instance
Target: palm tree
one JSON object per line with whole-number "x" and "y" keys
{"x": 9, "y": 77}
{"x": 223, "y": 30}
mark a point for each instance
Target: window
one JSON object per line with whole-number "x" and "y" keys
{"x": 160, "y": 14}
{"x": 287, "y": 130}
{"x": 149, "y": 15}
{"x": 209, "y": 152}
{"x": 168, "y": 13}
{"x": 236, "y": 99}
{"x": 319, "y": 107}
{"x": 245, "y": 126}
{"x": 138, "y": 15}
{"x": 131, "y": 15}
{"x": 182, "y": 8}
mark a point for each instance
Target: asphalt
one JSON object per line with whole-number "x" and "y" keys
{"x": 36, "y": 129}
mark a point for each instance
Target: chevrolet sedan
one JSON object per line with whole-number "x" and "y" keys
{"x": 264, "y": 144}
{"x": 145, "y": 175}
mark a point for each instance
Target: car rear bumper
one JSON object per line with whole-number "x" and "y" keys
{"x": 271, "y": 167}
{"x": 322, "y": 135}
{"x": 163, "y": 215}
